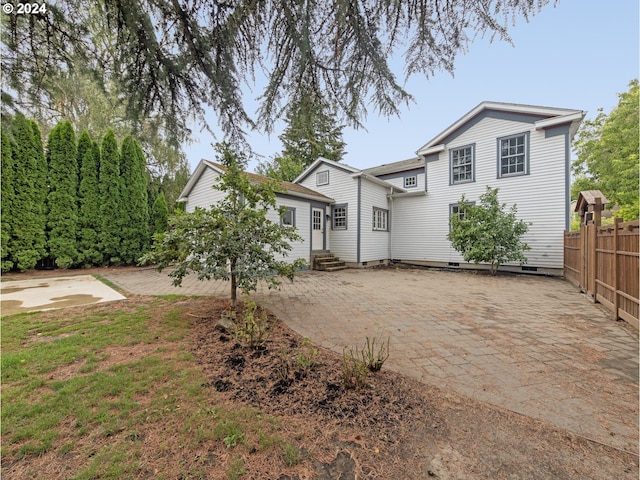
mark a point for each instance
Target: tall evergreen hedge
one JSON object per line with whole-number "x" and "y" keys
{"x": 89, "y": 221}
{"x": 159, "y": 214}
{"x": 111, "y": 207}
{"x": 62, "y": 201}
{"x": 28, "y": 210}
{"x": 134, "y": 207}
{"x": 8, "y": 199}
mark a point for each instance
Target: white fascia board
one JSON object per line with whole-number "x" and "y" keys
{"x": 195, "y": 176}
{"x": 430, "y": 150}
{"x": 376, "y": 180}
{"x": 308, "y": 197}
{"x": 320, "y": 160}
{"x": 421, "y": 193}
{"x": 577, "y": 115}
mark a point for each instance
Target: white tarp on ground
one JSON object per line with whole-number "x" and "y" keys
{"x": 57, "y": 292}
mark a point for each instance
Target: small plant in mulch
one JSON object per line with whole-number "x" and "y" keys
{"x": 252, "y": 327}
{"x": 374, "y": 353}
{"x": 306, "y": 356}
{"x": 354, "y": 370}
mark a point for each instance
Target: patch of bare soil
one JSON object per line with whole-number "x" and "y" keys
{"x": 394, "y": 427}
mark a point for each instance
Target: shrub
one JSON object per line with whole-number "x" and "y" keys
{"x": 374, "y": 355}
{"x": 306, "y": 356}
{"x": 354, "y": 370}
{"x": 253, "y": 328}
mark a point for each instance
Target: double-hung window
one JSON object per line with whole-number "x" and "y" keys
{"x": 339, "y": 217}
{"x": 512, "y": 155}
{"x": 462, "y": 164}
{"x": 380, "y": 219}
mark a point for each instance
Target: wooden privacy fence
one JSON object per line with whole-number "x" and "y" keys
{"x": 603, "y": 262}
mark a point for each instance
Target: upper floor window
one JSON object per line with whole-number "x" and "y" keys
{"x": 512, "y": 155}
{"x": 462, "y": 167}
{"x": 339, "y": 217}
{"x": 411, "y": 181}
{"x": 322, "y": 178}
{"x": 380, "y": 219}
{"x": 288, "y": 217}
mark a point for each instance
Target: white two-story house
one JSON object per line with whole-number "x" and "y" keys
{"x": 400, "y": 211}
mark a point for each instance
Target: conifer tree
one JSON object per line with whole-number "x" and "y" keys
{"x": 134, "y": 214}
{"x": 62, "y": 201}
{"x": 110, "y": 190}
{"x": 159, "y": 215}
{"x": 8, "y": 198}
{"x": 30, "y": 185}
{"x": 89, "y": 252}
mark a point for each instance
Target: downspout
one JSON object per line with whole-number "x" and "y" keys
{"x": 390, "y": 225}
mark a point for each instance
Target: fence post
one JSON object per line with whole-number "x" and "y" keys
{"x": 616, "y": 221}
{"x": 582, "y": 282}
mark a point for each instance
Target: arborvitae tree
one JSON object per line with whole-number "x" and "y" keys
{"x": 89, "y": 222}
{"x": 159, "y": 215}
{"x": 28, "y": 241}
{"x": 62, "y": 221}
{"x": 7, "y": 200}
{"x": 110, "y": 190}
{"x": 134, "y": 209}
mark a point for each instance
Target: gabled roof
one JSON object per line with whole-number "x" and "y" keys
{"x": 542, "y": 117}
{"x": 338, "y": 165}
{"x": 588, "y": 197}
{"x": 401, "y": 166}
{"x": 286, "y": 187}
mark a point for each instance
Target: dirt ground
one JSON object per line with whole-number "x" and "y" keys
{"x": 393, "y": 428}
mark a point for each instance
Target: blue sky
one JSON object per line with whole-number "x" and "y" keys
{"x": 579, "y": 55}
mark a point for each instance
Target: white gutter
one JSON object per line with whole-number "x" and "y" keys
{"x": 294, "y": 193}
{"x": 377, "y": 180}
{"x": 430, "y": 150}
{"x": 421, "y": 193}
{"x": 559, "y": 120}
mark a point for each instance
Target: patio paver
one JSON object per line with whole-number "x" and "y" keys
{"x": 530, "y": 344}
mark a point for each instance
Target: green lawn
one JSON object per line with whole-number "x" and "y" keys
{"x": 113, "y": 391}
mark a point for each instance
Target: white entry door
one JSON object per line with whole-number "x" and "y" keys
{"x": 317, "y": 229}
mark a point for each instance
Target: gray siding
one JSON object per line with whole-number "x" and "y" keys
{"x": 203, "y": 194}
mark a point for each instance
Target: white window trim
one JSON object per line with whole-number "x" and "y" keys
{"x": 410, "y": 177}
{"x": 380, "y": 222}
{"x": 293, "y": 217}
{"x": 320, "y": 178}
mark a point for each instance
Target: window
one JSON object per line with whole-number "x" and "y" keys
{"x": 458, "y": 210}
{"x": 339, "y": 217}
{"x": 512, "y": 155}
{"x": 411, "y": 181}
{"x": 462, "y": 164}
{"x": 288, "y": 217}
{"x": 380, "y": 219}
{"x": 322, "y": 178}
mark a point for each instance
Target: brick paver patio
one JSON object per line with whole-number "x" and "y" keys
{"x": 530, "y": 344}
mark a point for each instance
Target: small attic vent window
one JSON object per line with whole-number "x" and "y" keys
{"x": 322, "y": 178}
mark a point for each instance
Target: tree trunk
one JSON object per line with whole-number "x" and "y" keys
{"x": 233, "y": 284}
